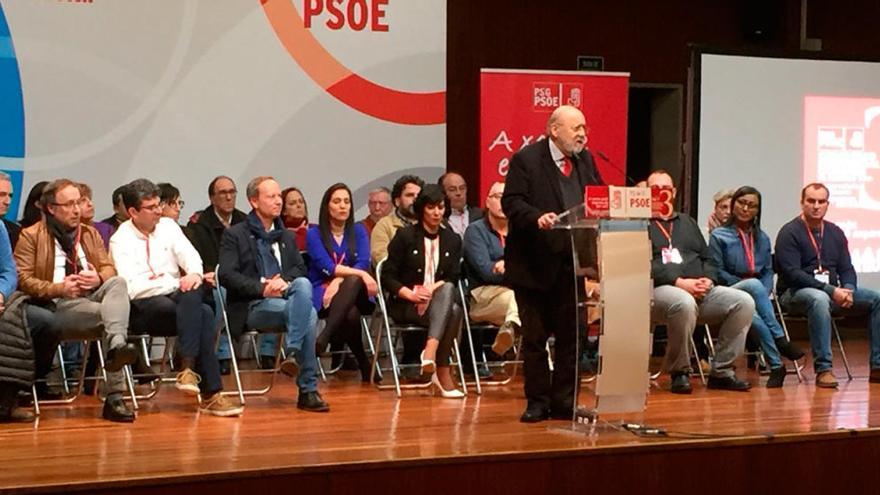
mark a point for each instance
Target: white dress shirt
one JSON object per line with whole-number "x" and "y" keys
{"x": 151, "y": 265}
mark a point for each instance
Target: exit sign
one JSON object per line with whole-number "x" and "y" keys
{"x": 590, "y": 62}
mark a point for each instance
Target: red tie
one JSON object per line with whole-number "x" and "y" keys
{"x": 566, "y": 166}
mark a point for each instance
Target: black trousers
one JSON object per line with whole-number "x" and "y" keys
{"x": 188, "y": 313}
{"x": 343, "y": 317}
{"x": 545, "y": 313}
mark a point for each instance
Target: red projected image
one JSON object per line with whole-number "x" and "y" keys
{"x": 841, "y": 147}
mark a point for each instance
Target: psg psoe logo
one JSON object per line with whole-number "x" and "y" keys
{"x": 546, "y": 96}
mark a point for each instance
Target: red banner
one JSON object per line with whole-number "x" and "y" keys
{"x": 515, "y": 106}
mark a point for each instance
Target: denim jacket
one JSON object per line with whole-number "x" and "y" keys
{"x": 726, "y": 249}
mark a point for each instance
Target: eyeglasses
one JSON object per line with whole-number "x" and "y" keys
{"x": 747, "y": 205}
{"x": 496, "y": 195}
{"x": 156, "y": 208}
{"x": 179, "y": 204}
{"x": 225, "y": 192}
{"x": 73, "y": 203}
{"x": 378, "y": 203}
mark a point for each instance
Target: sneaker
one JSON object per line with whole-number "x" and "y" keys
{"x": 188, "y": 382}
{"x": 825, "y": 379}
{"x": 219, "y": 405}
{"x": 290, "y": 366}
{"x": 504, "y": 339}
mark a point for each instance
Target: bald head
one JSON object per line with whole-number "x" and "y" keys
{"x": 567, "y": 128}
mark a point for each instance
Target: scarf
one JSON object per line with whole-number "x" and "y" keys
{"x": 299, "y": 227}
{"x": 69, "y": 241}
{"x": 268, "y": 263}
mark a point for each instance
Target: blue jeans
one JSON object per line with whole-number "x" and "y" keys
{"x": 295, "y": 312}
{"x": 764, "y": 319}
{"x": 818, "y": 307}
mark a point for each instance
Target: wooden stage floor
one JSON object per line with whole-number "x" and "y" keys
{"x": 171, "y": 443}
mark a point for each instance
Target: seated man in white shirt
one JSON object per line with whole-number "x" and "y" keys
{"x": 151, "y": 253}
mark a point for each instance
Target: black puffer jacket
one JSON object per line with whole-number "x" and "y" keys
{"x": 16, "y": 347}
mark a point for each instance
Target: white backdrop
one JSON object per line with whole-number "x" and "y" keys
{"x": 183, "y": 90}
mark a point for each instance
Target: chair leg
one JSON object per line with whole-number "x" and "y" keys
{"x": 456, "y": 353}
{"x": 63, "y": 368}
{"x": 779, "y": 314}
{"x": 129, "y": 382}
{"x": 842, "y": 350}
{"x": 36, "y": 401}
{"x": 366, "y": 329}
{"x": 235, "y": 371}
{"x": 694, "y": 350}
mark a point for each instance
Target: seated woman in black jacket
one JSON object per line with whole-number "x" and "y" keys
{"x": 420, "y": 274}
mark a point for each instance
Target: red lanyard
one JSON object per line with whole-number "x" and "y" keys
{"x": 73, "y": 258}
{"x": 749, "y": 248}
{"x": 153, "y": 274}
{"x": 815, "y": 244}
{"x": 666, "y": 234}
{"x": 338, "y": 260}
{"x": 501, "y": 238}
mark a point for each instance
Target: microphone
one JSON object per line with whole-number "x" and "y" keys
{"x": 613, "y": 165}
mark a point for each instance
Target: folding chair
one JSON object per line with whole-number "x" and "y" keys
{"x": 85, "y": 337}
{"x": 784, "y": 315}
{"x": 470, "y": 326}
{"x": 365, "y": 328}
{"x": 388, "y": 326}
{"x": 253, "y": 334}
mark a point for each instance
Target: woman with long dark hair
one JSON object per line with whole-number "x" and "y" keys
{"x": 342, "y": 286}
{"x": 423, "y": 266}
{"x": 741, "y": 250}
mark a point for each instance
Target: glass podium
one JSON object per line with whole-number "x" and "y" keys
{"x": 617, "y": 254}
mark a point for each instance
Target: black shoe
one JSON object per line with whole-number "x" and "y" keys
{"x": 312, "y": 401}
{"x": 534, "y": 413}
{"x": 290, "y": 366}
{"x": 728, "y": 383}
{"x": 16, "y": 415}
{"x": 789, "y": 350}
{"x": 225, "y": 366}
{"x": 46, "y": 393}
{"x": 267, "y": 362}
{"x": 681, "y": 384}
{"x": 349, "y": 363}
{"x": 119, "y": 356}
{"x": 144, "y": 374}
{"x": 777, "y": 376}
{"x": 368, "y": 370}
{"x": 115, "y": 410}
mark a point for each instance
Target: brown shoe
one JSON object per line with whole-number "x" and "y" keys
{"x": 503, "y": 340}
{"x": 825, "y": 379}
{"x": 219, "y": 405}
{"x": 875, "y": 376}
{"x": 188, "y": 382}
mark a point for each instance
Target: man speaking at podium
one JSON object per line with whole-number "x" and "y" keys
{"x": 546, "y": 178}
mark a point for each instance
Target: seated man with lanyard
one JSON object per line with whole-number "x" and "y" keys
{"x": 151, "y": 253}
{"x": 685, "y": 294}
{"x": 817, "y": 279}
{"x": 63, "y": 266}
{"x": 265, "y": 277}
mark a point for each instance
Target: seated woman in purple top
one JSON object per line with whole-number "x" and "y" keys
{"x": 342, "y": 286}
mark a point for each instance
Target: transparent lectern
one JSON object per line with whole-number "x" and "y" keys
{"x": 617, "y": 252}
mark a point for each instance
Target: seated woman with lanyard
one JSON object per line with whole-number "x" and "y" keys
{"x": 741, "y": 250}
{"x": 420, "y": 273}
{"x": 341, "y": 283}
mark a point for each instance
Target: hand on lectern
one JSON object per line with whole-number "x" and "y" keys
{"x": 547, "y": 220}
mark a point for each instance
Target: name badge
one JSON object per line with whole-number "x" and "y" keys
{"x": 670, "y": 255}
{"x": 822, "y": 276}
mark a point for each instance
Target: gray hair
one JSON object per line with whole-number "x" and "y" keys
{"x": 253, "y": 187}
{"x": 5, "y": 177}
